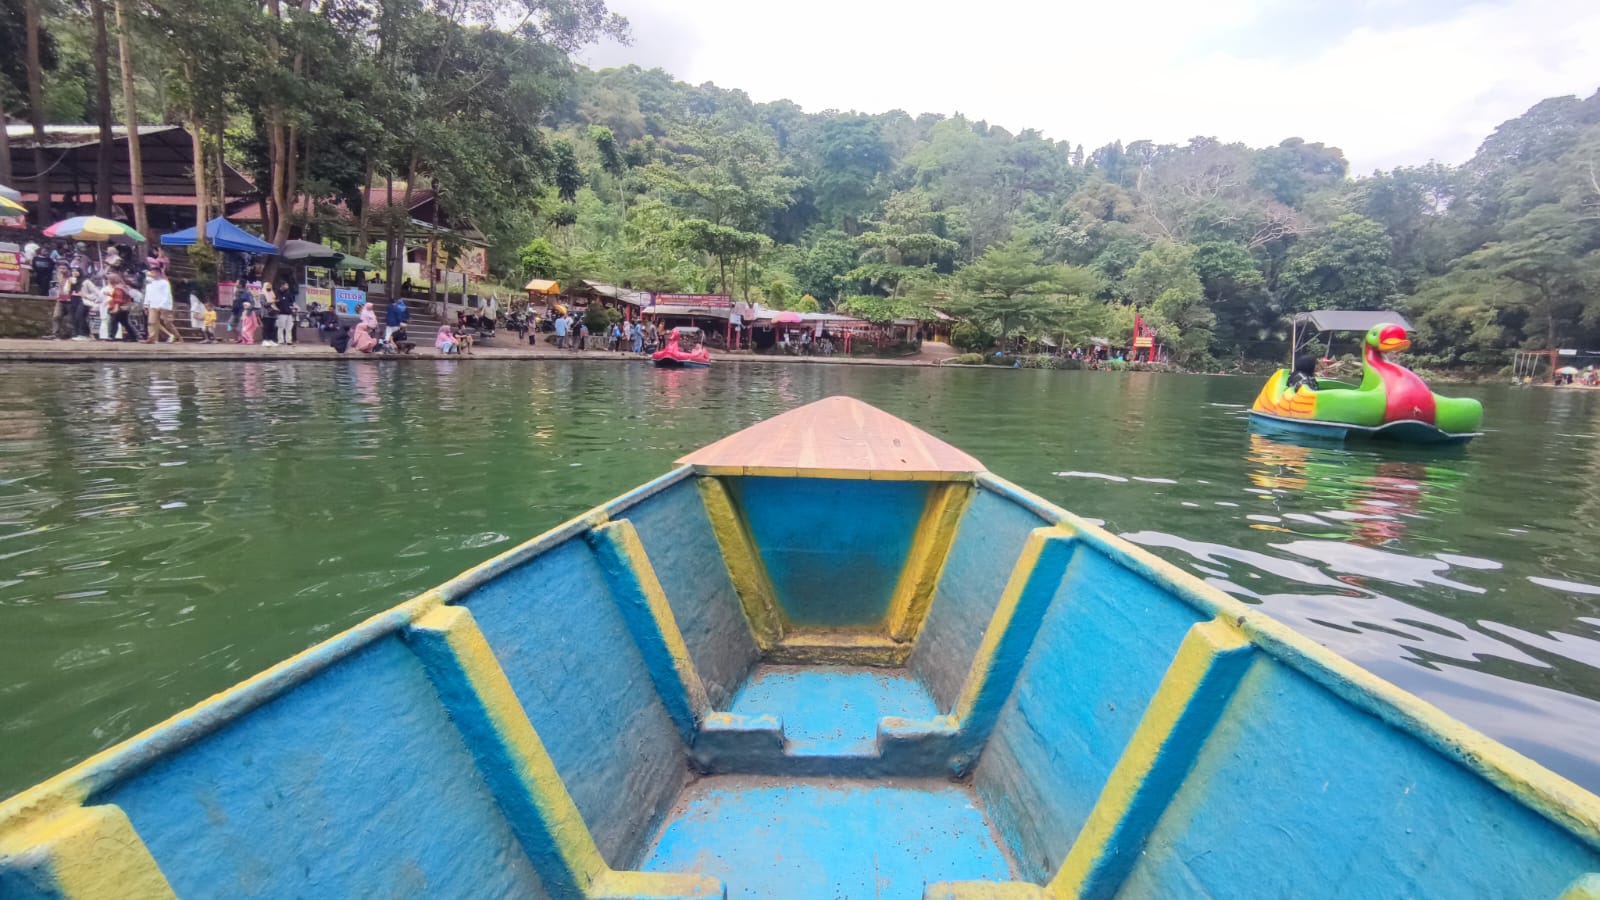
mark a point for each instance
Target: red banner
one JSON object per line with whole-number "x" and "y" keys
{"x": 12, "y": 274}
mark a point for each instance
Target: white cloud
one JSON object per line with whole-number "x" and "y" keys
{"x": 1164, "y": 69}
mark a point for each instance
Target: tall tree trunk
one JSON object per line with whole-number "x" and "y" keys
{"x": 141, "y": 220}
{"x": 197, "y": 140}
{"x": 5, "y": 146}
{"x": 364, "y": 220}
{"x": 393, "y": 247}
{"x": 102, "y": 103}
{"x": 41, "y": 179}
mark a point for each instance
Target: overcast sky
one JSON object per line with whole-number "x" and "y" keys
{"x": 1392, "y": 82}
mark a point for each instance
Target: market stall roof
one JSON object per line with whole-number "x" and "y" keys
{"x": 307, "y": 250}
{"x": 1350, "y": 319}
{"x": 223, "y": 235}
{"x": 71, "y": 154}
{"x": 543, "y": 286}
{"x": 354, "y": 263}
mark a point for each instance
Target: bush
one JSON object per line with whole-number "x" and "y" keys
{"x": 967, "y": 359}
{"x": 1117, "y": 365}
{"x": 970, "y": 338}
{"x": 1051, "y": 361}
{"x": 600, "y": 319}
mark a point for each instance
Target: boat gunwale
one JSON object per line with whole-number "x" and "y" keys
{"x": 78, "y": 784}
{"x": 1557, "y": 798}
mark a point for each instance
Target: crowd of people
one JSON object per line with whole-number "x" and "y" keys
{"x": 114, "y": 295}
{"x": 571, "y": 332}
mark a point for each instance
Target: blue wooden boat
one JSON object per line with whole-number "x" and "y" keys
{"x": 829, "y": 656}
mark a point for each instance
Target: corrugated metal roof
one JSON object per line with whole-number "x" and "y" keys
{"x": 1351, "y": 319}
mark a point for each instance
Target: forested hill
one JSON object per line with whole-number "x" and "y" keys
{"x": 669, "y": 186}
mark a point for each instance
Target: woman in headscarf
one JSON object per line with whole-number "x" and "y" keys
{"x": 445, "y": 341}
{"x": 364, "y": 337}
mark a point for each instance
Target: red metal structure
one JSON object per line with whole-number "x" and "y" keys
{"x": 1144, "y": 338}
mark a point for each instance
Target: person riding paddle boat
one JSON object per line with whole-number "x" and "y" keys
{"x": 1391, "y": 402}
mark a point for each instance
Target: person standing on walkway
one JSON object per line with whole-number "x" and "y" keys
{"x": 397, "y": 316}
{"x": 635, "y": 337}
{"x": 285, "y": 313}
{"x": 241, "y": 295}
{"x": 158, "y": 303}
{"x": 61, "y": 321}
{"x": 119, "y": 306}
{"x": 561, "y": 332}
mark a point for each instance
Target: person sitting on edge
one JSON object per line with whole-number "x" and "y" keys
{"x": 1305, "y": 373}
{"x": 445, "y": 341}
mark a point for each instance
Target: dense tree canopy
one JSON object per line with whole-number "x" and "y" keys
{"x": 630, "y": 175}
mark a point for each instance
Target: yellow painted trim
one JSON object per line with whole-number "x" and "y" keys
{"x": 617, "y": 885}
{"x": 573, "y": 842}
{"x": 839, "y": 649}
{"x": 745, "y": 569}
{"x": 835, "y": 474}
{"x": 1200, "y": 648}
{"x": 1000, "y": 622}
{"x": 93, "y": 853}
{"x": 633, "y": 552}
{"x": 1587, "y": 887}
{"x": 936, "y": 531}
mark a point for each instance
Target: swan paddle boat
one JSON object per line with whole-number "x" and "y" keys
{"x": 675, "y": 356}
{"x": 1391, "y": 402}
{"x": 827, "y": 656}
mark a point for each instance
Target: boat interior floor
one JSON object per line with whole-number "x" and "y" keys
{"x": 782, "y": 838}
{"x": 832, "y": 711}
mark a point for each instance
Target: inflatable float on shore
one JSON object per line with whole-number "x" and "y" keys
{"x": 1391, "y": 402}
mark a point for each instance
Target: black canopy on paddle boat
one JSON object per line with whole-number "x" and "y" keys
{"x": 1318, "y": 321}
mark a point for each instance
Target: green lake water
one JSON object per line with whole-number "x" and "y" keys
{"x": 167, "y": 530}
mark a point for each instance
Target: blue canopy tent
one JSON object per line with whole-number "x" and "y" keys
{"x": 223, "y": 235}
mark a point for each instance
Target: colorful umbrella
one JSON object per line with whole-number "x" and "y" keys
{"x": 6, "y": 203}
{"x": 788, "y": 318}
{"x": 92, "y": 228}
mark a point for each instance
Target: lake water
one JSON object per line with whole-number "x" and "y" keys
{"x": 167, "y": 530}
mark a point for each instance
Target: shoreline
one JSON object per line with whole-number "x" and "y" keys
{"x": 39, "y": 350}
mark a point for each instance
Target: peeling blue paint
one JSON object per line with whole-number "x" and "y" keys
{"x": 832, "y": 712}
{"x": 1101, "y": 650}
{"x": 985, "y": 551}
{"x": 278, "y": 804}
{"x": 677, "y": 535}
{"x": 1291, "y": 773}
{"x": 811, "y": 840}
{"x": 575, "y": 668}
{"x": 832, "y": 570}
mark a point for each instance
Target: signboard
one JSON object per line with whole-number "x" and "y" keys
{"x": 1573, "y": 352}
{"x": 695, "y": 299}
{"x": 321, "y": 296}
{"x": 12, "y": 273}
{"x": 348, "y": 301}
